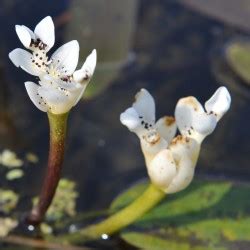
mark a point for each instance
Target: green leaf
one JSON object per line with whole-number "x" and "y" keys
{"x": 214, "y": 214}
{"x": 152, "y": 242}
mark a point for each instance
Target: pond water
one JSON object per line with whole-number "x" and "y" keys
{"x": 163, "y": 46}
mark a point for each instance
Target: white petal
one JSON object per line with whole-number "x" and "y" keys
{"x": 32, "y": 90}
{"x": 66, "y": 57}
{"x": 166, "y": 126}
{"x": 84, "y": 75}
{"x": 25, "y": 35}
{"x": 184, "y": 176}
{"x": 162, "y": 169}
{"x": 184, "y": 111}
{"x": 192, "y": 120}
{"x": 70, "y": 86}
{"x": 185, "y": 152}
{"x": 79, "y": 93}
{"x": 219, "y": 103}
{"x": 145, "y": 106}
{"x": 22, "y": 58}
{"x": 151, "y": 143}
{"x": 57, "y": 101}
{"x": 130, "y": 119}
{"x": 45, "y": 31}
{"x": 87, "y": 70}
{"x": 204, "y": 123}
{"x": 46, "y": 80}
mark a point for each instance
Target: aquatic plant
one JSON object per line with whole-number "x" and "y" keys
{"x": 170, "y": 160}
{"x": 60, "y": 88}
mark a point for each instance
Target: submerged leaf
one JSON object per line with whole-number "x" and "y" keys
{"x": 213, "y": 215}
{"x": 152, "y": 242}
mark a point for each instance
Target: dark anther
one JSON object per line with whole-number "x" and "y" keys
{"x": 86, "y": 77}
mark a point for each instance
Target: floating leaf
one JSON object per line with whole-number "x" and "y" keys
{"x": 238, "y": 56}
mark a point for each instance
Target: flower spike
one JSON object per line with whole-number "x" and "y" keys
{"x": 171, "y": 161}
{"x": 171, "y": 164}
{"x": 59, "y": 88}
{"x": 60, "y": 95}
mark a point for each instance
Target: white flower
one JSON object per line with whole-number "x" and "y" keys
{"x": 171, "y": 161}
{"x": 59, "y": 95}
{"x": 60, "y": 86}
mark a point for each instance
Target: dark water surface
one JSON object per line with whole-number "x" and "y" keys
{"x": 179, "y": 52}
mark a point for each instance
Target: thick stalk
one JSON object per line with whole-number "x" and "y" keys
{"x": 58, "y": 125}
{"x": 149, "y": 199}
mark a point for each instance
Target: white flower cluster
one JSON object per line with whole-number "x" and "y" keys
{"x": 60, "y": 86}
{"x": 171, "y": 160}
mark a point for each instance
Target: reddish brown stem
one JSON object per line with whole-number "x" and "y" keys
{"x": 58, "y": 124}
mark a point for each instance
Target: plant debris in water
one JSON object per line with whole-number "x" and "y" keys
{"x": 6, "y": 225}
{"x": 64, "y": 203}
{"x": 14, "y": 174}
{"x": 9, "y": 159}
{"x": 31, "y": 157}
{"x": 8, "y": 200}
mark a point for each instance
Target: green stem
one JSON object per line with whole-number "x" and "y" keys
{"x": 58, "y": 126}
{"x": 149, "y": 199}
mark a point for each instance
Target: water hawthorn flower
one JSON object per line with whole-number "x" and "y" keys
{"x": 171, "y": 160}
{"x": 60, "y": 86}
